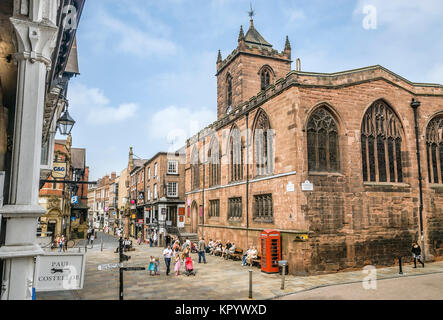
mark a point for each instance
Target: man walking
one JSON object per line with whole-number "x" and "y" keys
{"x": 167, "y": 253}
{"x": 201, "y": 250}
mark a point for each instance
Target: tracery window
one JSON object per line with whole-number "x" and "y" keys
{"x": 235, "y": 155}
{"x": 381, "y": 144}
{"x": 263, "y": 142}
{"x": 229, "y": 93}
{"x": 195, "y": 169}
{"x": 323, "y": 149}
{"x": 214, "y": 162}
{"x": 434, "y": 149}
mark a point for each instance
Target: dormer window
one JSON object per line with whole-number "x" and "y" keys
{"x": 229, "y": 93}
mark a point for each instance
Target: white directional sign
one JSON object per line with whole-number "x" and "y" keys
{"x": 109, "y": 266}
{"x": 59, "y": 272}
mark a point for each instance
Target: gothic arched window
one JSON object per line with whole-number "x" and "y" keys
{"x": 195, "y": 169}
{"x": 263, "y": 142}
{"x": 229, "y": 93}
{"x": 381, "y": 137}
{"x": 235, "y": 155}
{"x": 323, "y": 149}
{"x": 434, "y": 149}
{"x": 214, "y": 162}
{"x": 265, "y": 79}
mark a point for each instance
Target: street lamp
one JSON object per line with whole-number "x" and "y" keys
{"x": 65, "y": 122}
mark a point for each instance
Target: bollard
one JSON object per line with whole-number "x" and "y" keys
{"x": 250, "y": 284}
{"x": 283, "y": 277}
{"x": 399, "y": 265}
{"x": 101, "y": 244}
{"x": 86, "y": 246}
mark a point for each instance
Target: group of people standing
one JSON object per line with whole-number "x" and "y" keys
{"x": 179, "y": 253}
{"x": 61, "y": 242}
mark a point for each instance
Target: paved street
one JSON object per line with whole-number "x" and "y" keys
{"x": 227, "y": 279}
{"x": 424, "y": 287}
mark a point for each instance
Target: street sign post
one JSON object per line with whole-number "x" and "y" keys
{"x": 123, "y": 257}
{"x": 59, "y": 272}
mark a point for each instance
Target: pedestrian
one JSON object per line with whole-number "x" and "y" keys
{"x": 155, "y": 238}
{"x": 151, "y": 267}
{"x": 139, "y": 240}
{"x": 151, "y": 239}
{"x": 60, "y": 243}
{"x": 177, "y": 264}
{"x": 92, "y": 239}
{"x": 65, "y": 243}
{"x": 416, "y": 254}
{"x": 88, "y": 236}
{"x": 201, "y": 250}
{"x": 167, "y": 253}
{"x": 157, "y": 266}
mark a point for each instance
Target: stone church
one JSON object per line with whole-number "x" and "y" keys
{"x": 329, "y": 160}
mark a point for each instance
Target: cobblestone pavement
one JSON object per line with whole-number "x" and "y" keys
{"x": 218, "y": 279}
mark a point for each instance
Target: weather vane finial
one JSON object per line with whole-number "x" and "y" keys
{"x": 251, "y": 13}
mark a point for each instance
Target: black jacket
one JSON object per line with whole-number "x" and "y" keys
{"x": 416, "y": 251}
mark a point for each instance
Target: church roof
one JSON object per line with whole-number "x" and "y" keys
{"x": 254, "y": 37}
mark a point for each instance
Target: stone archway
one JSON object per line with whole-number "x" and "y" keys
{"x": 194, "y": 217}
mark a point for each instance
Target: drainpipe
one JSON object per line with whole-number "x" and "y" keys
{"x": 247, "y": 179}
{"x": 203, "y": 190}
{"x": 415, "y": 105}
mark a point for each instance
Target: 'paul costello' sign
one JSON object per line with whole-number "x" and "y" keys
{"x": 59, "y": 272}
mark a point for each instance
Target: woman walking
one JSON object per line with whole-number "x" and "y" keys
{"x": 416, "y": 254}
{"x": 177, "y": 264}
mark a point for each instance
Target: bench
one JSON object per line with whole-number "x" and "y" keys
{"x": 237, "y": 255}
{"x": 257, "y": 261}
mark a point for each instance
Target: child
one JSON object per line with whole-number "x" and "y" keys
{"x": 177, "y": 264}
{"x": 157, "y": 266}
{"x": 151, "y": 267}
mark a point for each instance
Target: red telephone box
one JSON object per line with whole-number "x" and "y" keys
{"x": 270, "y": 251}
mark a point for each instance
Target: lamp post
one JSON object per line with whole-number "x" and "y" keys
{"x": 415, "y": 105}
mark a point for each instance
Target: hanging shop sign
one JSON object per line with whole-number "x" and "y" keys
{"x": 59, "y": 170}
{"x": 74, "y": 199}
{"x": 59, "y": 272}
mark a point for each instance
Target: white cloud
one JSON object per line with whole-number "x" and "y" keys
{"x": 106, "y": 115}
{"x": 173, "y": 125}
{"x": 128, "y": 39}
{"x": 93, "y": 103}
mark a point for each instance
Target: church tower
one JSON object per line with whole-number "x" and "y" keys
{"x": 250, "y": 68}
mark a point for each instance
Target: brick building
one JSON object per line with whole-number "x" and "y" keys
{"x": 164, "y": 194}
{"x": 55, "y": 197}
{"x": 331, "y": 156}
{"x": 101, "y": 200}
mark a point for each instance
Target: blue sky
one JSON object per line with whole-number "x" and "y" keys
{"x": 148, "y": 66}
